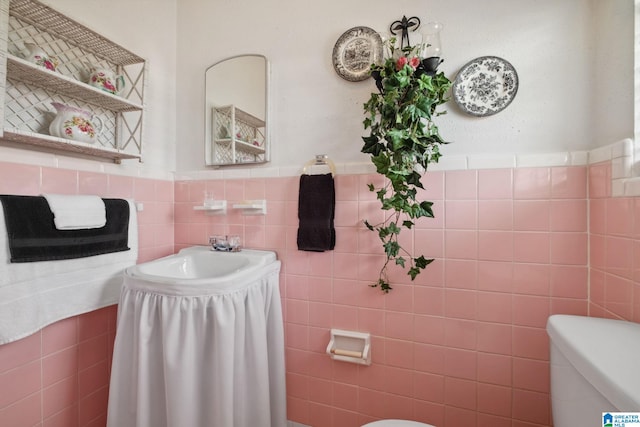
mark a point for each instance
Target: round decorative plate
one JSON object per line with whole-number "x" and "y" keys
{"x": 485, "y": 86}
{"x": 355, "y": 51}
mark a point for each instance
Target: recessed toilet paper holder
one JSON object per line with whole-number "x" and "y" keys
{"x": 350, "y": 346}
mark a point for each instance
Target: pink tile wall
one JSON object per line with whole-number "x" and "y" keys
{"x": 59, "y": 376}
{"x": 615, "y": 249}
{"x": 465, "y": 343}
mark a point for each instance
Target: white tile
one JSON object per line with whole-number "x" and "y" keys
{"x": 492, "y": 162}
{"x": 600, "y": 154}
{"x": 542, "y": 160}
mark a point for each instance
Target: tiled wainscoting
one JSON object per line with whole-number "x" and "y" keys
{"x": 59, "y": 376}
{"x": 462, "y": 345}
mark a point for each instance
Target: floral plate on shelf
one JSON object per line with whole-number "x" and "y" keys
{"x": 485, "y": 86}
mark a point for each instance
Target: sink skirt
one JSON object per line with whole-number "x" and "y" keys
{"x": 199, "y": 358}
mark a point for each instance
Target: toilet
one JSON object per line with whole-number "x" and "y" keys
{"x": 396, "y": 423}
{"x": 594, "y": 369}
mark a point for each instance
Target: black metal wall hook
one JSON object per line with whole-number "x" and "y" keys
{"x": 404, "y": 25}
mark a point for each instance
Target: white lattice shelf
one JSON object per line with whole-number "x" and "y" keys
{"x": 31, "y": 138}
{"x": 26, "y": 72}
{"x": 241, "y": 145}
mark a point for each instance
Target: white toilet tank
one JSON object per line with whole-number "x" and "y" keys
{"x": 595, "y": 368}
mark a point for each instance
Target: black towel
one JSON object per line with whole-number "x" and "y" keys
{"x": 316, "y": 210}
{"x": 33, "y": 236}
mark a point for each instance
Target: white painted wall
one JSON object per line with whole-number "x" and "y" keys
{"x": 556, "y": 46}
{"x": 147, "y": 28}
{"x": 574, "y": 59}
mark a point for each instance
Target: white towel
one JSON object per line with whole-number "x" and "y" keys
{"x": 71, "y": 212}
{"x": 36, "y": 294}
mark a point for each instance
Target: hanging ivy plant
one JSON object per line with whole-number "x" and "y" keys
{"x": 403, "y": 140}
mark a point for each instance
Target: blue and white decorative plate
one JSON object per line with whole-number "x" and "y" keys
{"x": 485, "y": 86}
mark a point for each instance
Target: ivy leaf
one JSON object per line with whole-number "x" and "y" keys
{"x": 391, "y": 248}
{"x": 422, "y": 262}
{"x": 400, "y": 261}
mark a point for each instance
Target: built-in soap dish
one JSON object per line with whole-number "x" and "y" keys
{"x": 213, "y": 207}
{"x": 252, "y": 207}
{"x": 350, "y": 346}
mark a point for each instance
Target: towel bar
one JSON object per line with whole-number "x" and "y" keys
{"x": 320, "y": 160}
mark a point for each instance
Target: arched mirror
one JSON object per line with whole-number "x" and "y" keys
{"x": 236, "y": 110}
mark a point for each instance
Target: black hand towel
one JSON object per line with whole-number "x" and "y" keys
{"x": 33, "y": 236}
{"x": 316, "y": 209}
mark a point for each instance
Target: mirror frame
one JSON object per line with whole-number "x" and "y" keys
{"x": 209, "y": 161}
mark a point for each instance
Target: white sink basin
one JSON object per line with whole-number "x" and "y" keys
{"x": 200, "y": 265}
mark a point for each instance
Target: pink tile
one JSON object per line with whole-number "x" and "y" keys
{"x": 144, "y": 190}
{"x": 401, "y": 299}
{"x": 297, "y": 311}
{"x": 68, "y": 417}
{"x": 429, "y": 358}
{"x": 494, "y": 368}
{"x": 92, "y": 324}
{"x": 346, "y": 187}
{"x": 400, "y": 355}
{"x": 600, "y": 180}
{"x": 320, "y": 391}
{"x": 495, "y": 276}
{"x": 297, "y": 336}
{"x": 92, "y": 351}
{"x": 428, "y": 300}
{"x": 460, "y": 333}
{"x": 531, "y": 406}
{"x": 297, "y": 385}
{"x": 59, "y": 335}
{"x": 19, "y": 383}
{"x": 568, "y": 248}
{"x": 429, "y": 329}
{"x": 460, "y": 393}
{"x": 487, "y": 420}
{"x": 495, "y": 184}
{"x": 460, "y": 417}
{"x": 461, "y": 214}
{"x": 345, "y": 396}
{"x": 569, "y": 182}
{"x": 461, "y": 244}
{"x": 346, "y": 214}
{"x": 620, "y": 216}
{"x": 531, "y": 215}
{"x": 530, "y": 310}
{"x": 429, "y": 387}
{"x": 19, "y": 179}
{"x": 60, "y": 395}
{"x": 429, "y": 413}
{"x": 60, "y": 181}
{"x": 494, "y": 338}
{"x": 59, "y": 365}
{"x": 569, "y": 281}
{"x": 495, "y": 245}
{"x": 345, "y": 266}
{"x": 433, "y": 183}
{"x": 494, "y": 307}
{"x": 345, "y": 317}
{"x": 459, "y": 363}
{"x": 461, "y": 274}
{"x": 373, "y": 378}
{"x": 568, "y": 215}
{"x": 399, "y": 325}
{"x": 430, "y": 243}
{"x": 460, "y": 303}
{"x": 93, "y": 183}
{"x": 281, "y": 189}
{"x": 598, "y": 216}
{"x": 461, "y": 185}
{"x": 20, "y": 352}
{"x": 495, "y": 215}
{"x": 320, "y": 314}
{"x": 531, "y": 279}
{"x": 320, "y": 289}
{"x": 531, "y": 183}
{"x": 399, "y": 382}
{"x": 531, "y": 247}
{"x": 120, "y": 186}
{"x": 494, "y": 399}
{"x": 532, "y": 343}
{"x": 92, "y": 407}
{"x": 25, "y": 412}
{"x": 531, "y": 374}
